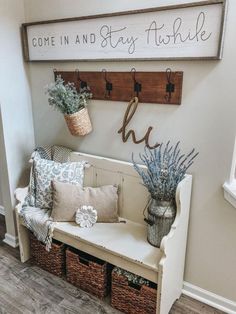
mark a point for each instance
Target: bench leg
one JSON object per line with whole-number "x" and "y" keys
{"x": 24, "y": 240}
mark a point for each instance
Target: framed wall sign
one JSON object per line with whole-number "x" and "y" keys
{"x": 186, "y": 31}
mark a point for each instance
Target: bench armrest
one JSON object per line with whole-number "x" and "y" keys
{"x": 20, "y": 195}
{"x": 173, "y": 246}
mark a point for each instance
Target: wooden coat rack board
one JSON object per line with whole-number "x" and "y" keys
{"x": 156, "y": 87}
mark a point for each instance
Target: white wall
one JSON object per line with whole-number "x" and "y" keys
{"x": 16, "y": 126}
{"x": 205, "y": 120}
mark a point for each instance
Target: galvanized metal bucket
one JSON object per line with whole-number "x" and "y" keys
{"x": 161, "y": 215}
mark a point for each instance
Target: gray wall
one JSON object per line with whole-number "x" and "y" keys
{"x": 205, "y": 120}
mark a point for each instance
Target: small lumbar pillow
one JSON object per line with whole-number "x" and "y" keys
{"x": 67, "y": 198}
{"x": 47, "y": 170}
{"x": 86, "y": 216}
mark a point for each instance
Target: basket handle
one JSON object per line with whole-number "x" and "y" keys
{"x": 134, "y": 285}
{"x": 148, "y": 221}
{"x": 83, "y": 261}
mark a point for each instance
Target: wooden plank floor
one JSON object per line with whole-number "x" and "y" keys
{"x": 26, "y": 289}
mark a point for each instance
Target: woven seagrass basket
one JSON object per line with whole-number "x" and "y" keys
{"x": 79, "y": 123}
{"x": 53, "y": 261}
{"x": 130, "y": 298}
{"x": 88, "y": 272}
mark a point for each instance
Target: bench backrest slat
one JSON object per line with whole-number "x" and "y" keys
{"x": 133, "y": 196}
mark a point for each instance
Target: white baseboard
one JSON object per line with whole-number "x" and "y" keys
{"x": 209, "y": 298}
{"x": 11, "y": 240}
{"x": 2, "y": 211}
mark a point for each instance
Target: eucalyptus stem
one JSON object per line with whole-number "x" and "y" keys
{"x": 65, "y": 97}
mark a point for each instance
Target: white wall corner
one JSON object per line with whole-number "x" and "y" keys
{"x": 209, "y": 298}
{"x": 2, "y": 211}
{"x": 11, "y": 240}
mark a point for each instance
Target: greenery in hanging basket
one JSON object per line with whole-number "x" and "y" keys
{"x": 166, "y": 167}
{"x": 65, "y": 97}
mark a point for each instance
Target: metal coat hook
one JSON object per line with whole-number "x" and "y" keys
{"x": 108, "y": 84}
{"x": 170, "y": 86}
{"x": 83, "y": 84}
{"x": 55, "y": 73}
{"x": 137, "y": 85}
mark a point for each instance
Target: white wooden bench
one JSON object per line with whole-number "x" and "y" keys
{"x": 125, "y": 244}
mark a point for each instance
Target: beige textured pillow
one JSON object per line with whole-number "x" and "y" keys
{"x": 67, "y": 198}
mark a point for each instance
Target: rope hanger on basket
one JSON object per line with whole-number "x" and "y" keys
{"x": 130, "y": 111}
{"x": 137, "y": 85}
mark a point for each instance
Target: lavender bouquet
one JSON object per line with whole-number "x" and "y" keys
{"x": 166, "y": 167}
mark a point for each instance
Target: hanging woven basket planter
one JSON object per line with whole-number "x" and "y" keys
{"x": 79, "y": 123}
{"x": 72, "y": 103}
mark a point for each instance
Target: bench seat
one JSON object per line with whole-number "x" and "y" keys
{"x": 122, "y": 244}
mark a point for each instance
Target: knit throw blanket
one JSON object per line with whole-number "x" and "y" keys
{"x": 38, "y": 219}
{"x": 39, "y": 222}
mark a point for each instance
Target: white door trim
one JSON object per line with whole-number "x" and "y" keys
{"x": 11, "y": 240}
{"x": 2, "y": 211}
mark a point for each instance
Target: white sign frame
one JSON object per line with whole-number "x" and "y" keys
{"x": 178, "y": 32}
